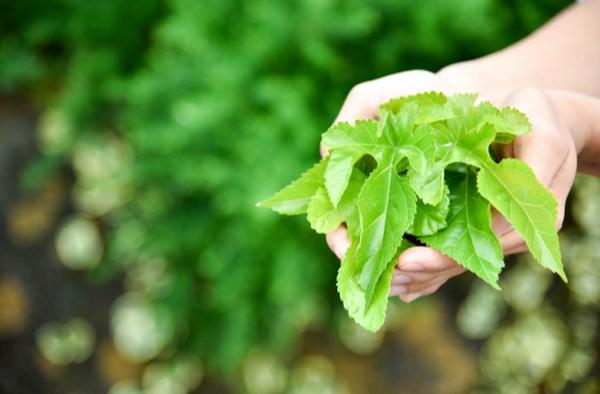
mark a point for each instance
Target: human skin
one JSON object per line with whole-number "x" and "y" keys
{"x": 553, "y": 76}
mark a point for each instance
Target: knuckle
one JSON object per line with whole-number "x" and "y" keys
{"x": 358, "y": 91}
{"x": 430, "y": 290}
{"x": 418, "y": 287}
{"x": 553, "y": 137}
{"x": 527, "y": 93}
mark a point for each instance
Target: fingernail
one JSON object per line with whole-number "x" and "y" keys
{"x": 397, "y": 290}
{"x": 401, "y": 280}
{"x": 412, "y": 267}
{"x": 413, "y": 297}
{"x": 336, "y": 251}
{"x": 340, "y": 252}
{"x": 500, "y": 225}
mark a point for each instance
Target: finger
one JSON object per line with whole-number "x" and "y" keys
{"x": 413, "y": 292}
{"x": 401, "y": 279}
{"x": 421, "y": 258}
{"x": 364, "y": 99}
{"x": 543, "y": 149}
{"x": 338, "y": 241}
{"x": 419, "y": 284}
{"x": 396, "y": 290}
{"x": 361, "y": 103}
{"x": 420, "y": 267}
{"x": 412, "y": 279}
{"x": 562, "y": 183}
{"x": 512, "y": 243}
{"x": 410, "y": 297}
{"x": 500, "y": 225}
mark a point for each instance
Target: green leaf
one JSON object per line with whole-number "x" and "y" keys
{"x": 430, "y": 105}
{"x": 362, "y": 138}
{"x": 429, "y": 186}
{"x": 467, "y": 137}
{"x": 469, "y": 238}
{"x": 337, "y": 174}
{"x": 347, "y": 205}
{"x": 370, "y": 316}
{"x": 294, "y": 199}
{"x": 463, "y": 139}
{"x": 509, "y": 123}
{"x": 429, "y": 219}
{"x": 384, "y": 120}
{"x": 419, "y": 149}
{"x": 321, "y": 213}
{"x": 387, "y": 206}
{"x": 398, "y": 130}
{"x": 462, "y": 105}
{"x": 324, "y": 217}
{"x": 395, "y": 138}
{"x": 513, "y": 189}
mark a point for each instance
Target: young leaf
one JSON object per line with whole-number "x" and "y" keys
{"x": 463, "y": 139}
{"x": 430, "y": 219}
{"x": 469, "y": 239}
{"x": 462, "y": 106}
{"x": 398, "y": 130}
{"x": 321, "y": 213}
{"x": 324, "y": 217}
{"x": 430, "y": 105}
{"x": 337, "y": 174}
{"x": 294, "y": 198}
{"x": 347, "y": 205}
{"x": 467, "y": 137}
{"x": 387, "y": 206}
{"x": 429, "y": 186}
{"x": 371, "y": 316}
{"x": 419, "y": 148}
{"x": 362, "y": 138}
{"x": 513, "y": 189}
{"x": 384, "y": 120}
{"x": 509, "y": 123}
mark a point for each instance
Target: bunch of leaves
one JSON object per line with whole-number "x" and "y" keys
{"x": 425, "y": 169}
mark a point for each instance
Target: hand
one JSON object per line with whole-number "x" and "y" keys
{"x": 550, "y": 150}
{"x": 362, "y": 102}
{"x": 364, "y": 99}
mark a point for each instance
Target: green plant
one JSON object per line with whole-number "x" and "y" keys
{"x": 423, "y": 169}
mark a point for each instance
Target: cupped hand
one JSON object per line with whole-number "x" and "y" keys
{"x": 550, "y": 150}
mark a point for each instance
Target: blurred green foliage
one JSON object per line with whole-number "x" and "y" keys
{"x": 178, "y": 116}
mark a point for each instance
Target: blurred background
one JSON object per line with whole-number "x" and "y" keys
{"x": 136, "y": 138}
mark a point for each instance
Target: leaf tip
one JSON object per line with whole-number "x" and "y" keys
{"x": 371, "y": 328}
{"x": 563, "y": 276}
